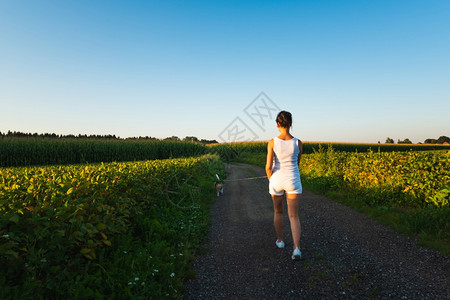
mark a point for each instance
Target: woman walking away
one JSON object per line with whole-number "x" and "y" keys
{"x": 283, "y": 156}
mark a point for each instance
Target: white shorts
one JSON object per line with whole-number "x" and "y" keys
{"x": 280, "y": 183}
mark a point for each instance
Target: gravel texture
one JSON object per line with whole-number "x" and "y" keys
{"x": 345, "y": 254}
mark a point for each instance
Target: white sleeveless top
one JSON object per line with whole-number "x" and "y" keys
{"x": 285, "y": 159}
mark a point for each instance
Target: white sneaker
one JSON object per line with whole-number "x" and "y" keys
{"x": 296, "y": 255}
{"x": 279, "y": 244}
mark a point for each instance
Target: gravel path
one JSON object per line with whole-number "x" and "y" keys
{"x": 345, "y": 254}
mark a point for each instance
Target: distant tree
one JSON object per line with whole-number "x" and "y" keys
{"x": 389, "y": 141}
{"x": 405, "y": 141}
{"x": 440, "y": 140}
{"x": 172, "y": 138}
{"x": 443, "y": 139}
{"x": 190, "y": 139}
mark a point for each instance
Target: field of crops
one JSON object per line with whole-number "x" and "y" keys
{"x": 130, "y": 229}
{"x": 16, "y": 152}
{"x": 113, "y": 230}
{"x": 409, "y": 179}
{"x": 231, "y": 151}
{"x": 40, "y": 151}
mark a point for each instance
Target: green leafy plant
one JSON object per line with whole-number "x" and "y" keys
{"x": 89, "y": 230}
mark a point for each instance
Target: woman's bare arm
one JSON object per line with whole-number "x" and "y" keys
{"x": 269, "y": 160}
{"x": 300, "y": 147}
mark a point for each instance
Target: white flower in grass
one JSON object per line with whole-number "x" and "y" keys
{"x": 172, "y": 275}
{"x": 130, "y": 283}
{"x": 125, "y": 252}
{"x": 155, "y": 270}
{"x": 6, "y": 236}
{"x": 136, "y": 278}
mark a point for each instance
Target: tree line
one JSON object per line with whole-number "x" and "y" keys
{"x": 18, "y": 134}
{"x": 441, "y": 140}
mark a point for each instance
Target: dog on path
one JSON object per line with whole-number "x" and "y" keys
{"x": 219, "y": 186}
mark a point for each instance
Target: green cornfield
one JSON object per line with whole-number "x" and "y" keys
{"x": 28, "y": 151}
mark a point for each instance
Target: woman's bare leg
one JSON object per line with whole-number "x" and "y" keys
{"x": 292, "y": 202}
{"x": 278, "y": 215}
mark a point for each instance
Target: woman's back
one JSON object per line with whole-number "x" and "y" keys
{"x": 286, "y": 155}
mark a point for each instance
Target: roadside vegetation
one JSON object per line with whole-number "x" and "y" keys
{"x": 110, "y": 230}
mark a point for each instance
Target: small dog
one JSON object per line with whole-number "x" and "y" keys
{"x": 219, "y": 186}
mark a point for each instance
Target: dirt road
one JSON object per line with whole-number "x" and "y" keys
{"x": 345, "y": 254}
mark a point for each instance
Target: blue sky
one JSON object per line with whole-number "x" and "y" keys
{"x": 349, "y": 71}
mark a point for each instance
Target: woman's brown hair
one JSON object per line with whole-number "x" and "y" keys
{"x": 284, "y": 119}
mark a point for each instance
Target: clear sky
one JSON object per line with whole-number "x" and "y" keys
{"x": 353, "y": 71}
